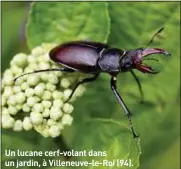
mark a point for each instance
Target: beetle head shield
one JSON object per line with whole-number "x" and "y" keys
{"x": 133, "y": 59}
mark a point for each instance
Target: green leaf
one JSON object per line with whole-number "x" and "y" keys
{"x": 64, "y": 21}
{"x": 13, "y": 16}
{"x": 108, "y": 136}
{"x": 135, "y": 23}
{"x": 26, "y": 141}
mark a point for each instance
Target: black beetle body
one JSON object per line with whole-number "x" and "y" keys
{"x": 94, "y": 58}
{"x": 87, "y": 57}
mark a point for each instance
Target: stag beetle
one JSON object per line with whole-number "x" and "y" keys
{"x": 95, "y": 58}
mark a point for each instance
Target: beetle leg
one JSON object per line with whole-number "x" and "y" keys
{"x": 86, "y": 80}
{"x": 63, "y": 69}
{"x": 139, "y": 85}
{"x": 120, "y": 100}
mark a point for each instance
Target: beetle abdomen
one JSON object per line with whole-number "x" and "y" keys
{"x": 75, "y": 56}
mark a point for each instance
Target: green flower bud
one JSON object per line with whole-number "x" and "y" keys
{"x": 26, "y": 108}
{"x": 27, "y": 125}
{"x": 18, "y": 125}
{"x": 46, "y": 112}
{"x": 53, "y": 79}
{"x": 16, "y": 70}
{"x": 37, "y": 51}
{"x": 44, "y": 65}
{"x": 46, "y": 57}
{"x": 39, "y": 89}
{"x": 55, "y": 65}
{"x": 58, "y": 74}
{"x": 12, "y": 100}
{"x": 65, "y": 83}
{"x": 38, "y": 108}
{"x": 8, "y": 80}
{"x": 16, "y": 89}
{"x": 20, "y": 97}
{"x": 31, "y": 59}
{"x": 46, "y": 104}
{"x": 27, "y": 70}
{"x": 51, "y": 122}
{"x": 42, "y": 128}
{"x": 58, "y": 103}
{"x": 67, "y": 93}
{"x": 5, "y": 111}
{"x": 57, "y": 95}
{"x": 34, "y": 66}
{"x": 12, "y": 110}
{"x": 24, "y": 86}
{"x": 31, "y": 101}
{"x": 68, "y": 108}
{"x": 8, "y": 91}
{"x": 44, "y": 132}
{"x": 33, "y": 80}
{"x": 54, "y": 131}
{"x": 38, "y": 98}
{"x": 19, "y": 60}
{"x": 7, "y": 121}
{"x": 50, "y": 87}
{"x": 19, "y": 81}
{"x": 19, "y": 107}
{"x": 44, "y": 76}
{"x": 47, "y": 95}
{"x": 8, "y": 72}
{"x": 55, "y": 113}
{"x": 29, "y": 92}
{"x": 67, "y": 119}
{"x": 79, "y": 91}
{"x": 42, "y": 85}
{"x": 36, "y": 118}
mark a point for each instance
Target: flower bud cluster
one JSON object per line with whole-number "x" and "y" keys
{"x": 37, "y": 101}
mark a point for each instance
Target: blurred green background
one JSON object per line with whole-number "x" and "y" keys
{"x": 158, "y": 119}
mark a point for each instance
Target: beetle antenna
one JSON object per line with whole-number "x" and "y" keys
{"x": 46, "y": 70}
{"x": 158, "y": 32}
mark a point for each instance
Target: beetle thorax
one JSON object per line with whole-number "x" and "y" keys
{"x": 109, "y": 60}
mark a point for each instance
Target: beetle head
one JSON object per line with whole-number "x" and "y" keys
{"x": 133, "y": 59}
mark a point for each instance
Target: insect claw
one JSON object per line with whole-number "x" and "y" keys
{"x": 134, "y": 134}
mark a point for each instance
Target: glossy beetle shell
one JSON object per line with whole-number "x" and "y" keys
{"x": 78, "y": 55}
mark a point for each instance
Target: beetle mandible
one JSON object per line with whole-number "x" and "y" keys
{"x": 95, "y": 58}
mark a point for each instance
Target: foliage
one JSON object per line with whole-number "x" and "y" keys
{"x": 99, "y": 121}
{"x": 61, "y": 22}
